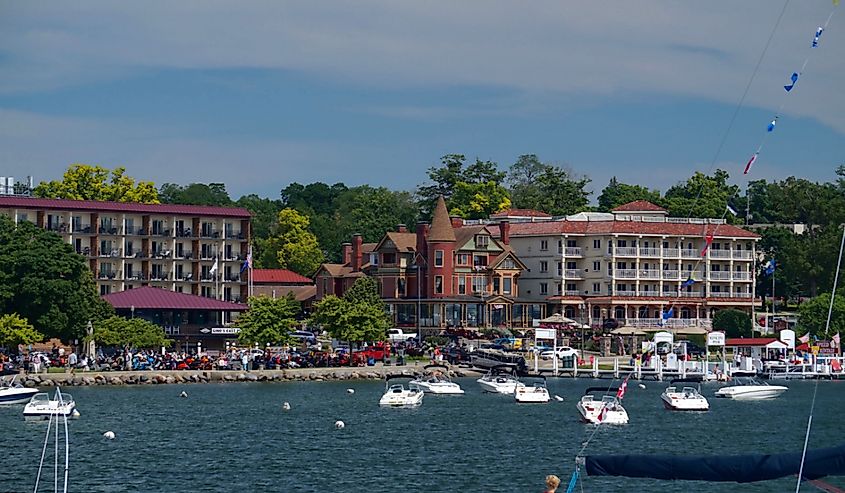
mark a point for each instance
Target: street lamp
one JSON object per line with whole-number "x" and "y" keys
{"x": 581, "y": 323}
{"x": 417, "y": 257}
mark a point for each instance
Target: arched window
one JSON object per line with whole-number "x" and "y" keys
{"x": 569, "y": 312}
{"x": 596, "y": 312}
{"x": 619, "y": 313}
{"x": 685, "y": 312}
{"x": 643, "y": 312}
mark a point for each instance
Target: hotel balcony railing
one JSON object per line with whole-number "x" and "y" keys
{"x": 209, "y": 278}
{"x": 625, "y": 274}
{"x": 649, "y": 274}
{"x": 207, "y": 256}
{"x": 162, "y": 232}
{"x": 210, "y": 234}
{"x": 572, "y": 251}
{"x": 572, "y": 293}
{"x": 722, "y": 254}
{"x": 690, "y": 294}
{"x": 57, "y": 228}
{"x": 573, "y": 273}
{"x": 686, "y": 253}
{"x": 160, "y": 276}
{"x": 109, "y": 230}
{"x": 111, "y": 275}
{"x": 626, "y": 293}
{"x": 649, "y": 252}
{"x": 163, "y": 254}
{"x": 112, "y": 253}
{"x": 625, "y": 251}
{"x": 719, "y": 276}
{"x": 82, "y": 229}
{"x": 742, "y": 276}
{"x": 136, "y": 276}
{"x": 723, "y": 294}
{"x": 671, "y": 323}
{"x": 184, "y": 233}
{"x": 234, "y": 278}
{"x": 671, "y": 275}
{"x": 135, "y": 231}
{"x": 235, "y": 235}
{"x": 742, "y": 255}
{"x": 185, "y": 276}
{"x": 671, "y": 253}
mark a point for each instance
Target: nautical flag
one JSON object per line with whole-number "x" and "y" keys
{"x": 213, "y": 269}
{"x": 603, "y": 414}
{"x": 772, "y": 125}
{"x": 689, "y": 282}
{"x": 770, "y": 267}
{"x": 835, "y": 339}
{"x": 708, "y": 240}
{"x": 794, "y": 79}
{"x": 750, "y": 162}
{"x": 731, "y": 209}
{"x": 805, "y": 338}
{"x": 818, "y": 35}
{"x": 621, "y": 392}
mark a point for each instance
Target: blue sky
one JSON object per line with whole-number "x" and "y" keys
{"x": 259, "y": 94}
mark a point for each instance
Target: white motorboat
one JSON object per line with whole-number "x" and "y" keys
{"x": 435, "y": 380}
{"x": 15, "y": 393}
{"x": 42, "y": 407}
{"x": 688, "y": 398}
{"x": 606, "y": 410}
{"x": 499, "y": 380}
{"x": 750, "y": 389}
{"x": 535, "y": 392}
{"x": 397, "y": 395}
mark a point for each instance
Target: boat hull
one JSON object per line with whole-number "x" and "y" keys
{"x": 684, "y": 404}
{"x": 590, "y": 414}
{"x": 437, "y": 388}
{"x": 16, "y": 395}
{"x": 751, "y": 393}
{"x": 507, "y": 387}
{"x": 411, "y": 399}
{"x": 531, "y": 395}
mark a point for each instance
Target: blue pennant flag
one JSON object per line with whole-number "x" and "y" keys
{"x": 669, "y": 314}
{"x": 794, "y": 79}
{"x": 689, "y": 282}
{"x": 770, "y": 267}
{"x": 772, "y": 124}
{"x": 818, "y": 35}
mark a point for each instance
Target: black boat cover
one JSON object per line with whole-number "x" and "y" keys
{"x": 736, "y": 468}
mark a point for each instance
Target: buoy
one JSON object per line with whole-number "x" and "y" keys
{"x": 350, "y": 391}
{"x": 183, "y": 394}
{"x": 339, "y": 424}
{"x": 109, "y": 435}
{"x": 286, "y": 406}
{"x": 75, "y": 414}
{"x": 642, "y": 385}
{"x": 559, "y": 398}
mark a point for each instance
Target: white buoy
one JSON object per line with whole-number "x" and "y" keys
{"x": 339, "y": 424}
{"x": 109, "y": 435}
{"x": 559, "y": 398}
{"x": 350, "y": 391}
{"x": 642, "y": 385}
{"x": 286, "y": 406}
{"x": 75, "y": 414}
{"x": 183, "y": 394}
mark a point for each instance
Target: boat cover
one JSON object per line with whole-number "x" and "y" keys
{"x": 736, "y": 468}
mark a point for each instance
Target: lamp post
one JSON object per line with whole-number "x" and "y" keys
{"x": 581, "y": 323}
{"x": 418, "y": 268}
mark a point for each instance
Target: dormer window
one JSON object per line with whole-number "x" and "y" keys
{"x": 482, "y": 241}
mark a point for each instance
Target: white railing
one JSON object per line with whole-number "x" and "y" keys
{"x": 626, "y": 293}
{"x": 573, "y": 273}
{"x": 690, "y": 294}
{"x": 649, "y": 274}
{"x": 572, "y": 251}
{"x": 742, "y": 254}
{"x": 649, "y": 252}
{"x": 626, "y": 251}
{"x": 625, "y": 273}
{"x": 719, "y": 294}
{"x": 742, "y": 276}
{"x": 572, "y": 293}
{"x": 671, "y": 275}
{"x": 720, "y": 276}
{"x": 670, "y": 323}
{"x": 720, "y": 254}
{"x": 686, "y": 253}
{"x": 671, "y": 252}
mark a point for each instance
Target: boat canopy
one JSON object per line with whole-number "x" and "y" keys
{"x": 735, "y": 468}
{"x": 603, "y": 390}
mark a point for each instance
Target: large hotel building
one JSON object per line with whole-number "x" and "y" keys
{"x": 131, "y": 245}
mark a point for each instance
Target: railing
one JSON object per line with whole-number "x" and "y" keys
{"x": 670, "y": 323}
{"x": 573, "y": 273}
{"x": 625, "y": 251}
{"x": 82, "y": 229}
{"x": 722, "y": 294}
{"x": 136, "y": 276}
{"x": 742, "y": 276}
{"x": 108, "y": 275}
{"x": 720, "y": 276}
{"x": 572, "y": 251}
{"x": 231, "y": 235}
{"x": 742, "y": 254}
{"x": 690, "y": 294}
{"x": 671, "y": 252}
{"x": 572, "y": 293}
{"x": 184, "y": 233}
{"x": 135, "y": 231}
{"x": 725, "y": 254}
{"x": 625, "y": 273}
{"x": 162, "y": 254}
{"x": 649, "y": 252}
{"x": 160, "y": 276}
{"x": 210, "y": 234}
{"x": 671, "y": 275}
{"x": 185, "y": 277}
{"x": 105, "y": 252}
{"x": 649, "y": 274}
{"x": 108, "y": 230}
{"x": 686, "y": 253}
{"x": 162, "y": 232}
{"x": 626, "y": 293}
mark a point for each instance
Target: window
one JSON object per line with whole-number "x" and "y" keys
{"x": 507, "y": 285}
{"x": 325, "y": 286}
{"x": 665, "y": 244}
{"x": 596, "y": 287}
{"x": 388, "y": 258}
{"x": 438, "y": 284}
{"x": 481, "y": 241}
{"x": 544, "y": 266}
{"x": 596, "y": 266}
{"x": 373, "y": 259}
{"x": 621, "y": 265}
{"x": 496, "y": 285}
{"x": 571, "y": 265}
{"x": 479, "y": 260}
{"x": 508, "y": 263}
{"x": 105, "y": 289}
{"x": 400, "y": 286}
{"x": 559, "y": 288}
{"x": 463, "y": 259}
{"x": 462, "y": 285}
{"x": 478, "y": 285}
{"x": 544, "y": 288}
{"x": 544, "y": 245}
{"x": 438, "y": 258}
{"x": 622, "y": 243}
{"x": 597, "y": 244}
{"x": 560, "y": 268}
{"x": 571, "y": 286}
{"x": 622, "y": 287}
{"x": 571, "y": 244}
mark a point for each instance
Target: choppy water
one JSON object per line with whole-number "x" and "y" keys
{"x": 235, "y": 437}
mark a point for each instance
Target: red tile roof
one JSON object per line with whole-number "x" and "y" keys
{"x": 638, "y": 206}
{"x": 750, "y": 341}
{"x": 278, "y": 276}
{"x": 150, "y": 298}
{"x": 629, "y": 227}
{"x": 519, "y": 213}
{"x": 131, "y": 207}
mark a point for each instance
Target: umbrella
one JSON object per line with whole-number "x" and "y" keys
{"x": 679, "y": 330}
{"x": 628, "y": 331}
{"x": 557, "y": 318}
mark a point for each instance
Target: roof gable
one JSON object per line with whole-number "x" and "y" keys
{"x": 148, "y": 297}
{"x": 278, "y": 276}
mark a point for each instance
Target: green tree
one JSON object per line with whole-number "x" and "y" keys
{"x": 735, "y": 323}
{"x": 129, "y": 333}
{"x": 371, "y": 212}
{"x": 469, "y": 191}
{"x": 85, "y": 182}
{"x": 701, "y": 196}
{"x": 46, "y": 282}
{"x": 15, "y": 330}
{"x": 364, "y": 291}
{"x": 547, "y": 188}
{"x": 812, "y": 316}
{"x": 268, "y": 320}
{"x": 357, "y": 317}
{"x": 294, "y": 246}
{"x": 478, "y": 200}
{"x": 195, "y": 194}
{"x": 616, "y": 194}
{"x": 264, "y": 211}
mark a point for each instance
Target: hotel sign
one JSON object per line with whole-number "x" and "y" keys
{"x": 716, "y": 339}
{"x": 221, "y": 330}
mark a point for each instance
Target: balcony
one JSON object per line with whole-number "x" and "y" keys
{"x": 671, "y": 275}
{"x": 135, "y": 231}
{"x": 164, "y": 254}
{"x": 136, "y": 276}
{"x": 671, "y": 253}
{"x": 234, "y": 278}
{"x": 722, "y": 294}
{"x": 81, "y": 229}
{"x": 184, "y": 233}
{"x": 685, "y": 253}
{"x": 162, "y": 232}
{"x": 209, "y": 278}
{"x": 719, "y": 276}
{"x": 742, "y": 255}
{"x": 572, "y": 293}
{"x": 573, "y": 274}
{"x": 210, "y": 234}
{"x": 671, "y": 323}
{"x": 720, "y": 254}
{"x": 141, "y": 254}
{"x": 649, "y": 252}
{"x": 160, "y": 276}
{"x": 742, "y": 276}
{"x": 626, "y": 293}
{"x": 111, "y": 253}
{"x": 625, "y": 274}
{"x": 235, "y": 235}
{"x": 625, "y": 251}
{"x": 109, "y": 230}
{"x": 690, "y": 294}
{"x": 649, "y": 274}
{"x": 187, "y": 277}
{"x": 572, "y": 251}
{"x": 108, "y": 275}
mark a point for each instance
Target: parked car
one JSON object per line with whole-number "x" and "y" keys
{"x": 562, "y": 352}
{"x": 398, "y": 335}
{"x": 304, "y": 336}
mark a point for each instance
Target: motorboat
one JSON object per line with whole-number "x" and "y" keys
{"x": 533, "y": 392}
{"x": 489, "y": 358}
{"x": 396, "y": 395}
{"x": 750, "y": 388}
{"x": 41, "y": 406}
{"x": 605, "y": 410}
{"x": 686, "y": 398}
{"x": 499, "y": 380}
{"x": 435, "y": 380}
{"x": 15, "y": 393}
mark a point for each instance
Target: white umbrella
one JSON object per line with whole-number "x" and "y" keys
{"x": 557, "y": 318}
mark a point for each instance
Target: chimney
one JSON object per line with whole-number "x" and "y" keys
{"x": 357, "y": 242}
{"x": 505, "y": 232}
{"x": 401, "y": 228}
{"x": 457, "y": 221}
{"x": 346, "y": 248}
{"x": 422, "y": 238}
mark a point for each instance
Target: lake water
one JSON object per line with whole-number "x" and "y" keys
{"x": 236, "y": 437}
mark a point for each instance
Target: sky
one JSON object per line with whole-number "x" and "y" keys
{"x": 259, "y": 94}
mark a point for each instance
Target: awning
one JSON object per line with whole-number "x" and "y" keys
{"x": 628, "y": 331}
{"x": 557, "y": 318}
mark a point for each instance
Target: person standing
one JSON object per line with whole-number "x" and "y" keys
{"x": 72, "y": 361}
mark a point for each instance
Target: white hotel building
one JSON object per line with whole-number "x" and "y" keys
{"x": 631, "y": 264}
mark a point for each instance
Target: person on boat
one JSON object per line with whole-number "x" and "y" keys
{"x": 552, "y": 483}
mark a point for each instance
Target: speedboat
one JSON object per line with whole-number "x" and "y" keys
{"x": 685, "y": 399}
{"x": 751, "y": 388}
{"x": 42, "y": 407}
{"x": 536, "y": 392}
{"x": 500, "y": 380}
{"x": 15, "y": 393}
{"x": 435, "y": 381}
{"x": 606, "y": 410}
{"x": 397, "y": 395}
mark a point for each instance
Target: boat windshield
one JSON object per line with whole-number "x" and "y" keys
{"x": 40, "y": 398}
{"x": 749, "y": 381}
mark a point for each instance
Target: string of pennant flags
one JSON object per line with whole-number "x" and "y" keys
{"x": 770, "y": 266}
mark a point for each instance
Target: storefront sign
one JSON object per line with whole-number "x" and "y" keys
{"x": 545, "y": 333}
{"x": 826, "y": 348}
{"x": 716, "y": 338}
{"x": 226, "y": 330}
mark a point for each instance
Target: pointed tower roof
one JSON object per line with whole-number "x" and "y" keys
{"x": 441, "y": 225}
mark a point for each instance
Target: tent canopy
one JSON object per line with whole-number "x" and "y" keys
{"x": 678, "y": 330}
{"x": 557, "y": 318}
{"x": 628, "y": 331}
